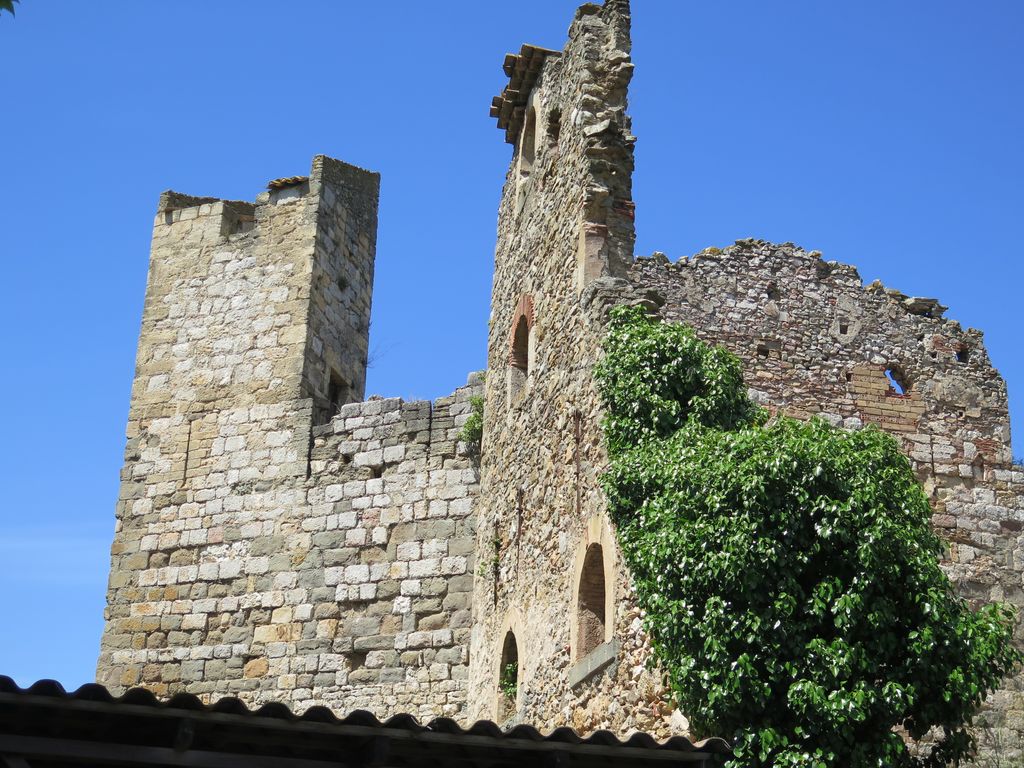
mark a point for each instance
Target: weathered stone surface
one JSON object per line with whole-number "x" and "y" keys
{"x": 277, "y": 539}
{"x": 255, "y": 537}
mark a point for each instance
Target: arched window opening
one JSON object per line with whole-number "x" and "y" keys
{"x": 508, "y": 677}
{"x": 590, "y": 630}
{"x": 527, "y": 150}
{"x": 521, "y": 340}
{"x": 520, "y": 357}
{"x": 898, "y": 382}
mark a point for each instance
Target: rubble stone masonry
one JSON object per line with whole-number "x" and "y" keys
{"x": 279, "y": 538}
{"x": 816, "y": 342}
{"x": 565, "y": 245}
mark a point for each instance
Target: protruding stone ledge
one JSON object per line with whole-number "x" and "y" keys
{"x": 593, "y": 663}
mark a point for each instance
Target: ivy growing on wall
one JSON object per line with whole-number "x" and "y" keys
{"x": 789, "y": 576}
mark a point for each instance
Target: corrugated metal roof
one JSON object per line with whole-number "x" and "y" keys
{"x": 229, "y": 730}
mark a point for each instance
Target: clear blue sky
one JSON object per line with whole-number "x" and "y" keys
{"x": 887, "y": 135}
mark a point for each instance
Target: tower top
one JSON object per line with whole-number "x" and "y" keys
{"x": 522, "y": 70}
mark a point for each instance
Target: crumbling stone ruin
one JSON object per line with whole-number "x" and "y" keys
{"x": 280, "y": 538}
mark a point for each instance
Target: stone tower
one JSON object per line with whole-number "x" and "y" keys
{"x": 565, "y": 243}
{"x": 278, "y": 538}
{"x": 254, "y": 331}
{"x": 557, "y": 636}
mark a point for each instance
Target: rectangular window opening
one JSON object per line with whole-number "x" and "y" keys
{"x": 337, "y": 394}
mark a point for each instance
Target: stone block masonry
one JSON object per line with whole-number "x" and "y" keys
{"x": 276, "y": 540}
{"x": 349, "y": 588}
{"x": 279, "y": 539}
{"x": 813, "y": 341}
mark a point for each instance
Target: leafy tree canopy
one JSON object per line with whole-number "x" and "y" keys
{"x": 787, "y": 570}
{"x": 8, "y": 5}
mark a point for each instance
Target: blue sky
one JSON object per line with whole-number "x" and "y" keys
{"x": 887, "y": 135}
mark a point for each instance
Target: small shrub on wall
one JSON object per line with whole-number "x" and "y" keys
{"x": 473, "y": 430}
{"x": 788, "y": 572}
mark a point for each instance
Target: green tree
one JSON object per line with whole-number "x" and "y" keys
{"x": 787, "y": 570}
{"x": 8, "y": 5}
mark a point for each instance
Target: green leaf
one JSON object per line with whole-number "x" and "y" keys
{"x": 787, "y": 571}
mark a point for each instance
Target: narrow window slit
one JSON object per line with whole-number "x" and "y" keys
{"x": 591, "y": 626}
{"x": 508, "y": 677}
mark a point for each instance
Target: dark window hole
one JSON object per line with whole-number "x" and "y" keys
{"x": 356, "y": 659}
{"x": 337, "y": 394}
{"x": 521, "y": 346}
{"x": 554, "y": 127}
{"x": 963, "y": 355}
{"x": 590, "y": 630}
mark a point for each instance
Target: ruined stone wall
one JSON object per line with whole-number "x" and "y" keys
{"x": 565, "y": 238}
{"x": 983, "y": 523}
{"x": 257, "y": 554}
{"x": 388, "y": 573}
{"x": 815, "y": 341}
{"x": 393, "y": 535}
{"x": 273, "y": 547}
{"x": 351, "y": 588}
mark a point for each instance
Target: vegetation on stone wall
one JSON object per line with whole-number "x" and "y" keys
{"x": 473, "y": 430}
{"x": 787, "y": 570}
{"x": 509, "y": 680}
